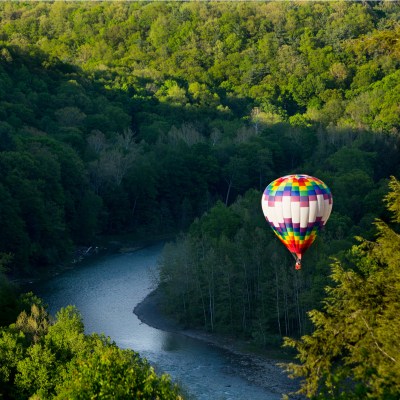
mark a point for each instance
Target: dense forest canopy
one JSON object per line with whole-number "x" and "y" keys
{"x": 333, "y": 63}
{"x": 156, "y": 118}
{"x": 100, "y": 102}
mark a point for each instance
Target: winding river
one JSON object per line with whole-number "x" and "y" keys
{"x": 106, "y": 291}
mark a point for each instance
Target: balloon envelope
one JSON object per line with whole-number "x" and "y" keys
{"x": 297, "y": 207}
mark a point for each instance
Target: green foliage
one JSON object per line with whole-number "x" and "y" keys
{"x": 290, "y": 56}
{"x": 37, "y": 372}
{"x": 354, "y": 349}
{"x": 56, "y": 360}
{"x": 12, "y": 350}
{"x": 139, "y": 117}
{"x": 220, "y": 221}
{"x": 35, "y": 325}
{"x": 136, "y": 117}
{"x": 7, "y": 292}
{"x": 112, "y": 373}
{"x": 391, "y": 199}
{"x": 143, "y": 117}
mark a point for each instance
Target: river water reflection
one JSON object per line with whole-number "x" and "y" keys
{"x": 107, "y": 289}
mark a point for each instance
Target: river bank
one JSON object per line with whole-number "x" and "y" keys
{"x": 102, "y": 246}
{"x": 105, "y": 290}
{"x": 260, "y": 370}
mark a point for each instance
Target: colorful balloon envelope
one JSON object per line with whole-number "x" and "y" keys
{"x": 297, "y": 207}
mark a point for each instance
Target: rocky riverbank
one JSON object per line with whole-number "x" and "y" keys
{"x": 257, "y": 369}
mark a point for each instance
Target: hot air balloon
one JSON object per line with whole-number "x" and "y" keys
{"x": 297, "y": 207}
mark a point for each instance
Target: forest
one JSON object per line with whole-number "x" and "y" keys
{"x": 168, "y": 119}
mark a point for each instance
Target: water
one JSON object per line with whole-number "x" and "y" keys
{"x": 106, "y": 292}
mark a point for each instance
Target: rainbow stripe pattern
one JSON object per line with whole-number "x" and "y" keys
{"x": 297, "y": 207}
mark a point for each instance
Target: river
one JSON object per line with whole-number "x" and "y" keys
{"x": 107, "y": 289}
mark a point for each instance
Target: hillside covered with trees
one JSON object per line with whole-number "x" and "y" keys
{"x": 160, "y": 118}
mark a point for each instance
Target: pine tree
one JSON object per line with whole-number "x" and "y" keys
{"x": 354, "y": 351}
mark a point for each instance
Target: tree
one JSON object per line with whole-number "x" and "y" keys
{"x": 354, "y": 351}
{"x": 112, "y": 373}
{"x": 235, "y": 175}
{"x": 7, "y": 292}
{"x": 40, "y": 358}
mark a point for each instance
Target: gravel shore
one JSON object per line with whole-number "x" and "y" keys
{"x": 257, "y": 369}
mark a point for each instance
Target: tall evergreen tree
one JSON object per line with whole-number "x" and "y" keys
{"x": 354, "y": 351}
